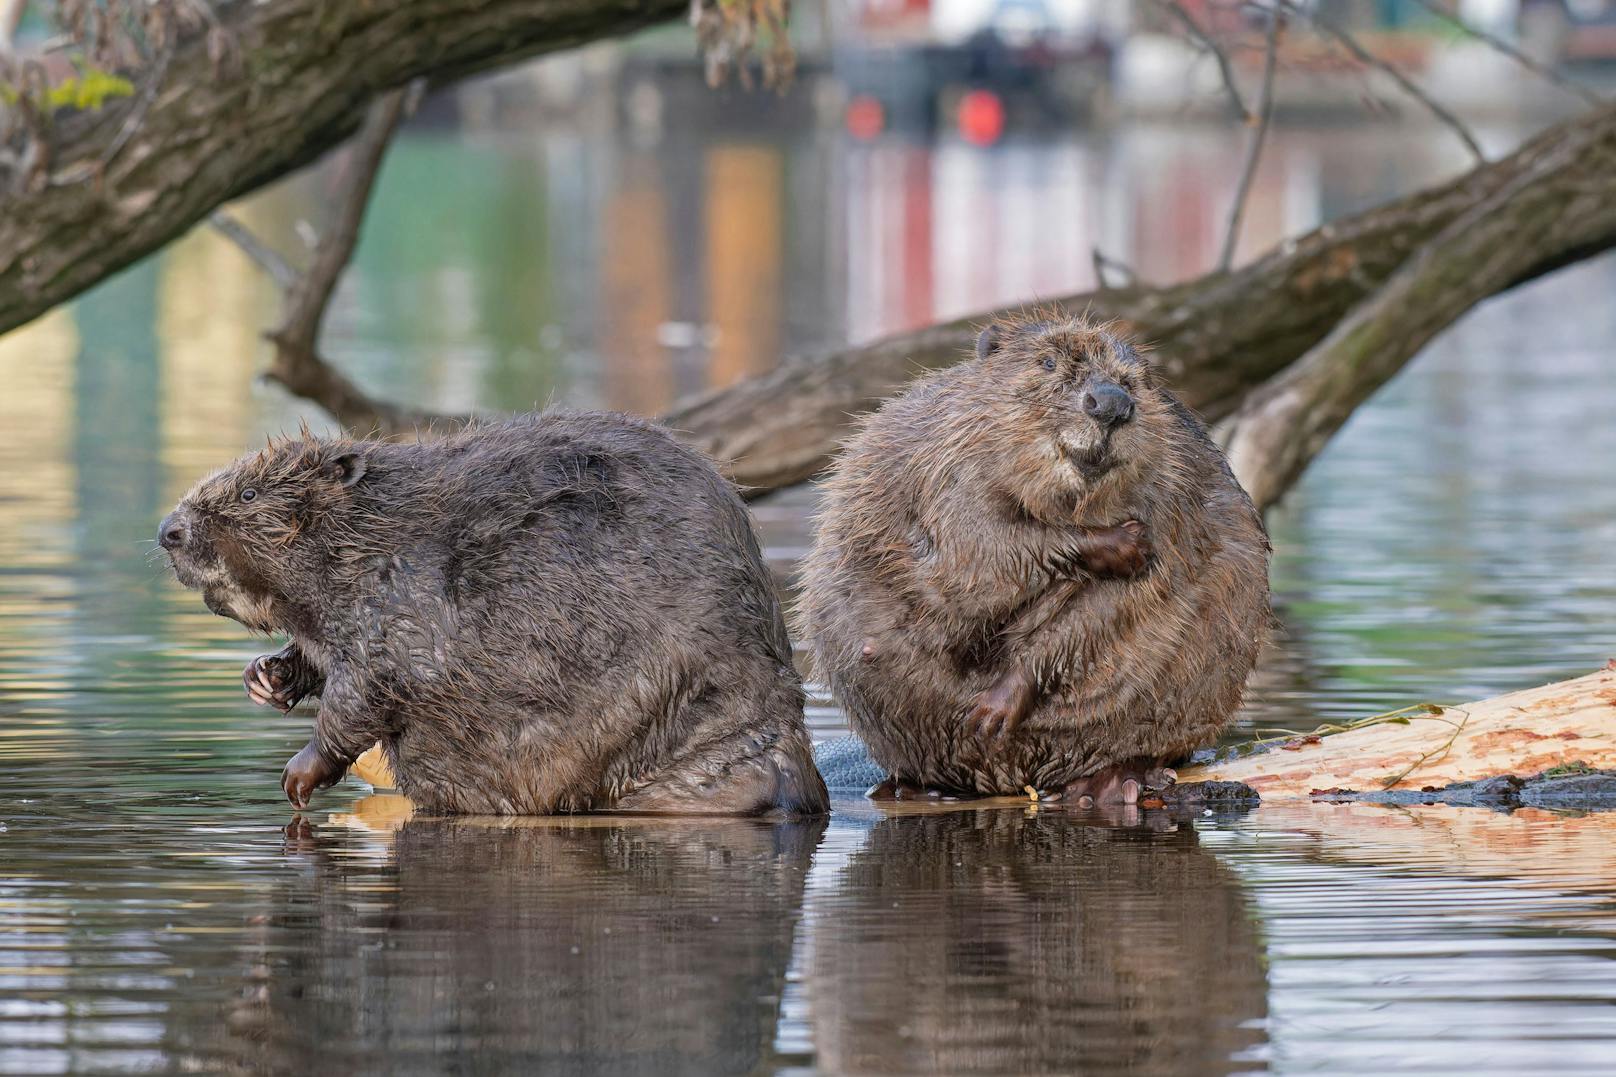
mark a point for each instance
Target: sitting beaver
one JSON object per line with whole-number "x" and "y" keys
{"x": 1036, "y": 569}
{"x": 563, "y": 612}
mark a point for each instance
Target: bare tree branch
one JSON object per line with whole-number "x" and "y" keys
{"x": 1102, "y": 262}
{"x": 307, "y": 299}
{"x": 269, "y": 260}
{"x": 297, "y": 363}
{"x": 1225, "y": 70}
{"x": 1406, "y": 84}
{"x": 1543, "y": 71}
{"x": 260, "y": 90}
{"x": 1265, "y": 114}
{"x": 1542, "y": 213}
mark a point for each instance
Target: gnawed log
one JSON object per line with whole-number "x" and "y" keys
{"x": 1568, "y": 724}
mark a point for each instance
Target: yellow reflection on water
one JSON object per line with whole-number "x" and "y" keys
{"x": 212, "y": 306}
{"x": 744, "y": 252}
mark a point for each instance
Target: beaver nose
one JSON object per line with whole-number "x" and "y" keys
{"x": 1108, "y": 403}
{"x": 172, "y": 532}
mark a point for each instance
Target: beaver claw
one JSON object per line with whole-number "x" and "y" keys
{"x": 997, "y": 712}
{"x": 269, "y": 683}
{"x": 1124, "y": 783}
{"x": 308, "y": 771}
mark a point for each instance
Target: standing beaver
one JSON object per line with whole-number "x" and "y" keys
{"x": 563, "y": 612}
{"x": 1036, "y": 569}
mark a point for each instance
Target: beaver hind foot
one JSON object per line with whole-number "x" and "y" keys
{"x": 1121, "y": 783}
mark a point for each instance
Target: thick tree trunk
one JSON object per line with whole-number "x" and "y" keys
{"x": 1216, "y": 337}
{"x": 120, "y": 182}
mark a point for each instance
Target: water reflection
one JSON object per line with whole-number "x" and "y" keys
{"x": 588, "y": 946}
{"x": 1010, "y": 941}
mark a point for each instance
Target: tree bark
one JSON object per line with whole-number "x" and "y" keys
{"x": 1215, "y": 338}
{"x": 294, "y": 83}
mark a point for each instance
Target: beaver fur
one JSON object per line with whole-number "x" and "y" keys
{"x": 1035, "y": 569}
{"x": 562, "y": 612}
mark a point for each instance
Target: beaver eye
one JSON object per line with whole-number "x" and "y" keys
{"x": 247, "y": 495}
{"x": 1049, "y": 364}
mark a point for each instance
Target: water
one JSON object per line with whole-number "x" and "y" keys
{"x": 158, "y": 911}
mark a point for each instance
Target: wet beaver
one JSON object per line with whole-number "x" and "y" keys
{"x": 562, "y": 612}
{"x": 1035, "y": 569}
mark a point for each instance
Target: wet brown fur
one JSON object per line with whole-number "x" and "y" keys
{"x": 563, "y": 612}
{"x": 948, "y": 565}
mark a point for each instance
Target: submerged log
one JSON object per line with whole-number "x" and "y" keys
{"x": 1568, "y": 724}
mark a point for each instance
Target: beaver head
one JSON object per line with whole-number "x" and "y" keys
{"x": 1085, "y": 411}
{"x": 245, "y": 534}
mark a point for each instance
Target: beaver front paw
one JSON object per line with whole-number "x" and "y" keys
{"x": 308, "y": 771}
{"x": 1121, "y": 551}
{"x": 270, "y": 683}
{"x": 997, "y": 712}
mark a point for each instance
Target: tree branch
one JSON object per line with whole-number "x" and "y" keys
{"x": 1406, "y": 84}
{"x": 301, "y": 75}
{"x": 1543, "y": 212}
{"x": 1215, "y": 337}
{"x": 297, "y": 363}
{"x": 1204, "y": 39}
{"x": 1498, "y": 44}
{"x": 307, "y": 299}
{"x": 1265, "y": 113}
{"x": 263, "y": 256}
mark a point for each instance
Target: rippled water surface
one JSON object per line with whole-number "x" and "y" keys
{"x": 161, "y": 909}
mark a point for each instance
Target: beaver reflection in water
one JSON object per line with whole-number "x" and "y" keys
{"x": 1036, "y": 569}
{"x": 563, "y": 612}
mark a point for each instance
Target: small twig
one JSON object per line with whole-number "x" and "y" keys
{"x": 309, "y": 294}
{"x": 1407, "y": 85}
{"x": 1225, "y": 70}
{"x": 1102, "y": 263}
{"x": 1437, "y": 753}
{"x": 1265, "y": 114}
{"x": 1401, "y": 716}
{"x": 1499, "y": 44}
{"x": 263, "y": 256}
{"x": 137, "y": 115}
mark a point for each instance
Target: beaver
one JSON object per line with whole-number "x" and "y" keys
{"x": 1035, "y": 569}
{"x": 561, "y": 612}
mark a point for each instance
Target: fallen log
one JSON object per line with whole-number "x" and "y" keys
{"x": 1568, "y": 726}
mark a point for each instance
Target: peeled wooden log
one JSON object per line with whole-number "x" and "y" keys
{"x": 1566, "y": 724}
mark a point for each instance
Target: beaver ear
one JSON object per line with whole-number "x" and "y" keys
{"x": 987, "y": 342}
{"x": 344, "y": 469}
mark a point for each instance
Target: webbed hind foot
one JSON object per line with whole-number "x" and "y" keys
{"x": 1121, "y": 783}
